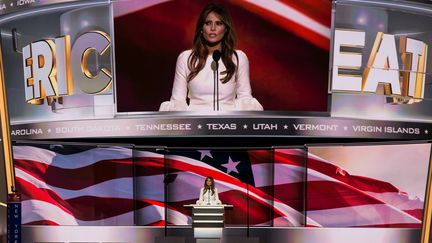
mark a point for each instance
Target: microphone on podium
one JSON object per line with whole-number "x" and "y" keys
{"x": 215, "y": 66}
{"x": 216, "y": 56}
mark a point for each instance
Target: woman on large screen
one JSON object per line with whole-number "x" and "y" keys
{"x": 213, "y": 75}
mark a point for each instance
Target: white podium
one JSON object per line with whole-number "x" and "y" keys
{"x": 208, "y": 221}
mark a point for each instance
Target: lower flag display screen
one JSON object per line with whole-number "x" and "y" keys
{"x": 377, "y": 185}
{"x": 367, "y": 186}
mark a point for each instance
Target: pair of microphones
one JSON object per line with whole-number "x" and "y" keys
{"x": 215, "y": 66}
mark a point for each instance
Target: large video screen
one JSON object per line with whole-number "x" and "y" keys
{"x": 264, "y": 191}
{"x": 281, "y": 56}
{"x": 74, "y": 184}
{"x": 367, "y": 186}
{"x": 380, "y": 63}
{"x": 59, "y": 37}
{"x": 79, "y": 184}
{"x": 373, "y": 185}
{"x": 241, "y": 178}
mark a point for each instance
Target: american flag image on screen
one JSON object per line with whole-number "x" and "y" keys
{"x": 367, "y": 186}
{"x": 90, "y": 185}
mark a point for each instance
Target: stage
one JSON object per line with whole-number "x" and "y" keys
{"x": 132, "y": 234}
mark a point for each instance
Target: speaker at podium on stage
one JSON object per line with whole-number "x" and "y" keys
{"x": 209, "y": 193}
{"x": 208, "y": 214}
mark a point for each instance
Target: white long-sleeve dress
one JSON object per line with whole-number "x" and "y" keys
{"x": 208, "y": 199}
{"x": 236, "y": 94}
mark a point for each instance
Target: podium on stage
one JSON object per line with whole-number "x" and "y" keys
{"x": 208, "y": 221}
